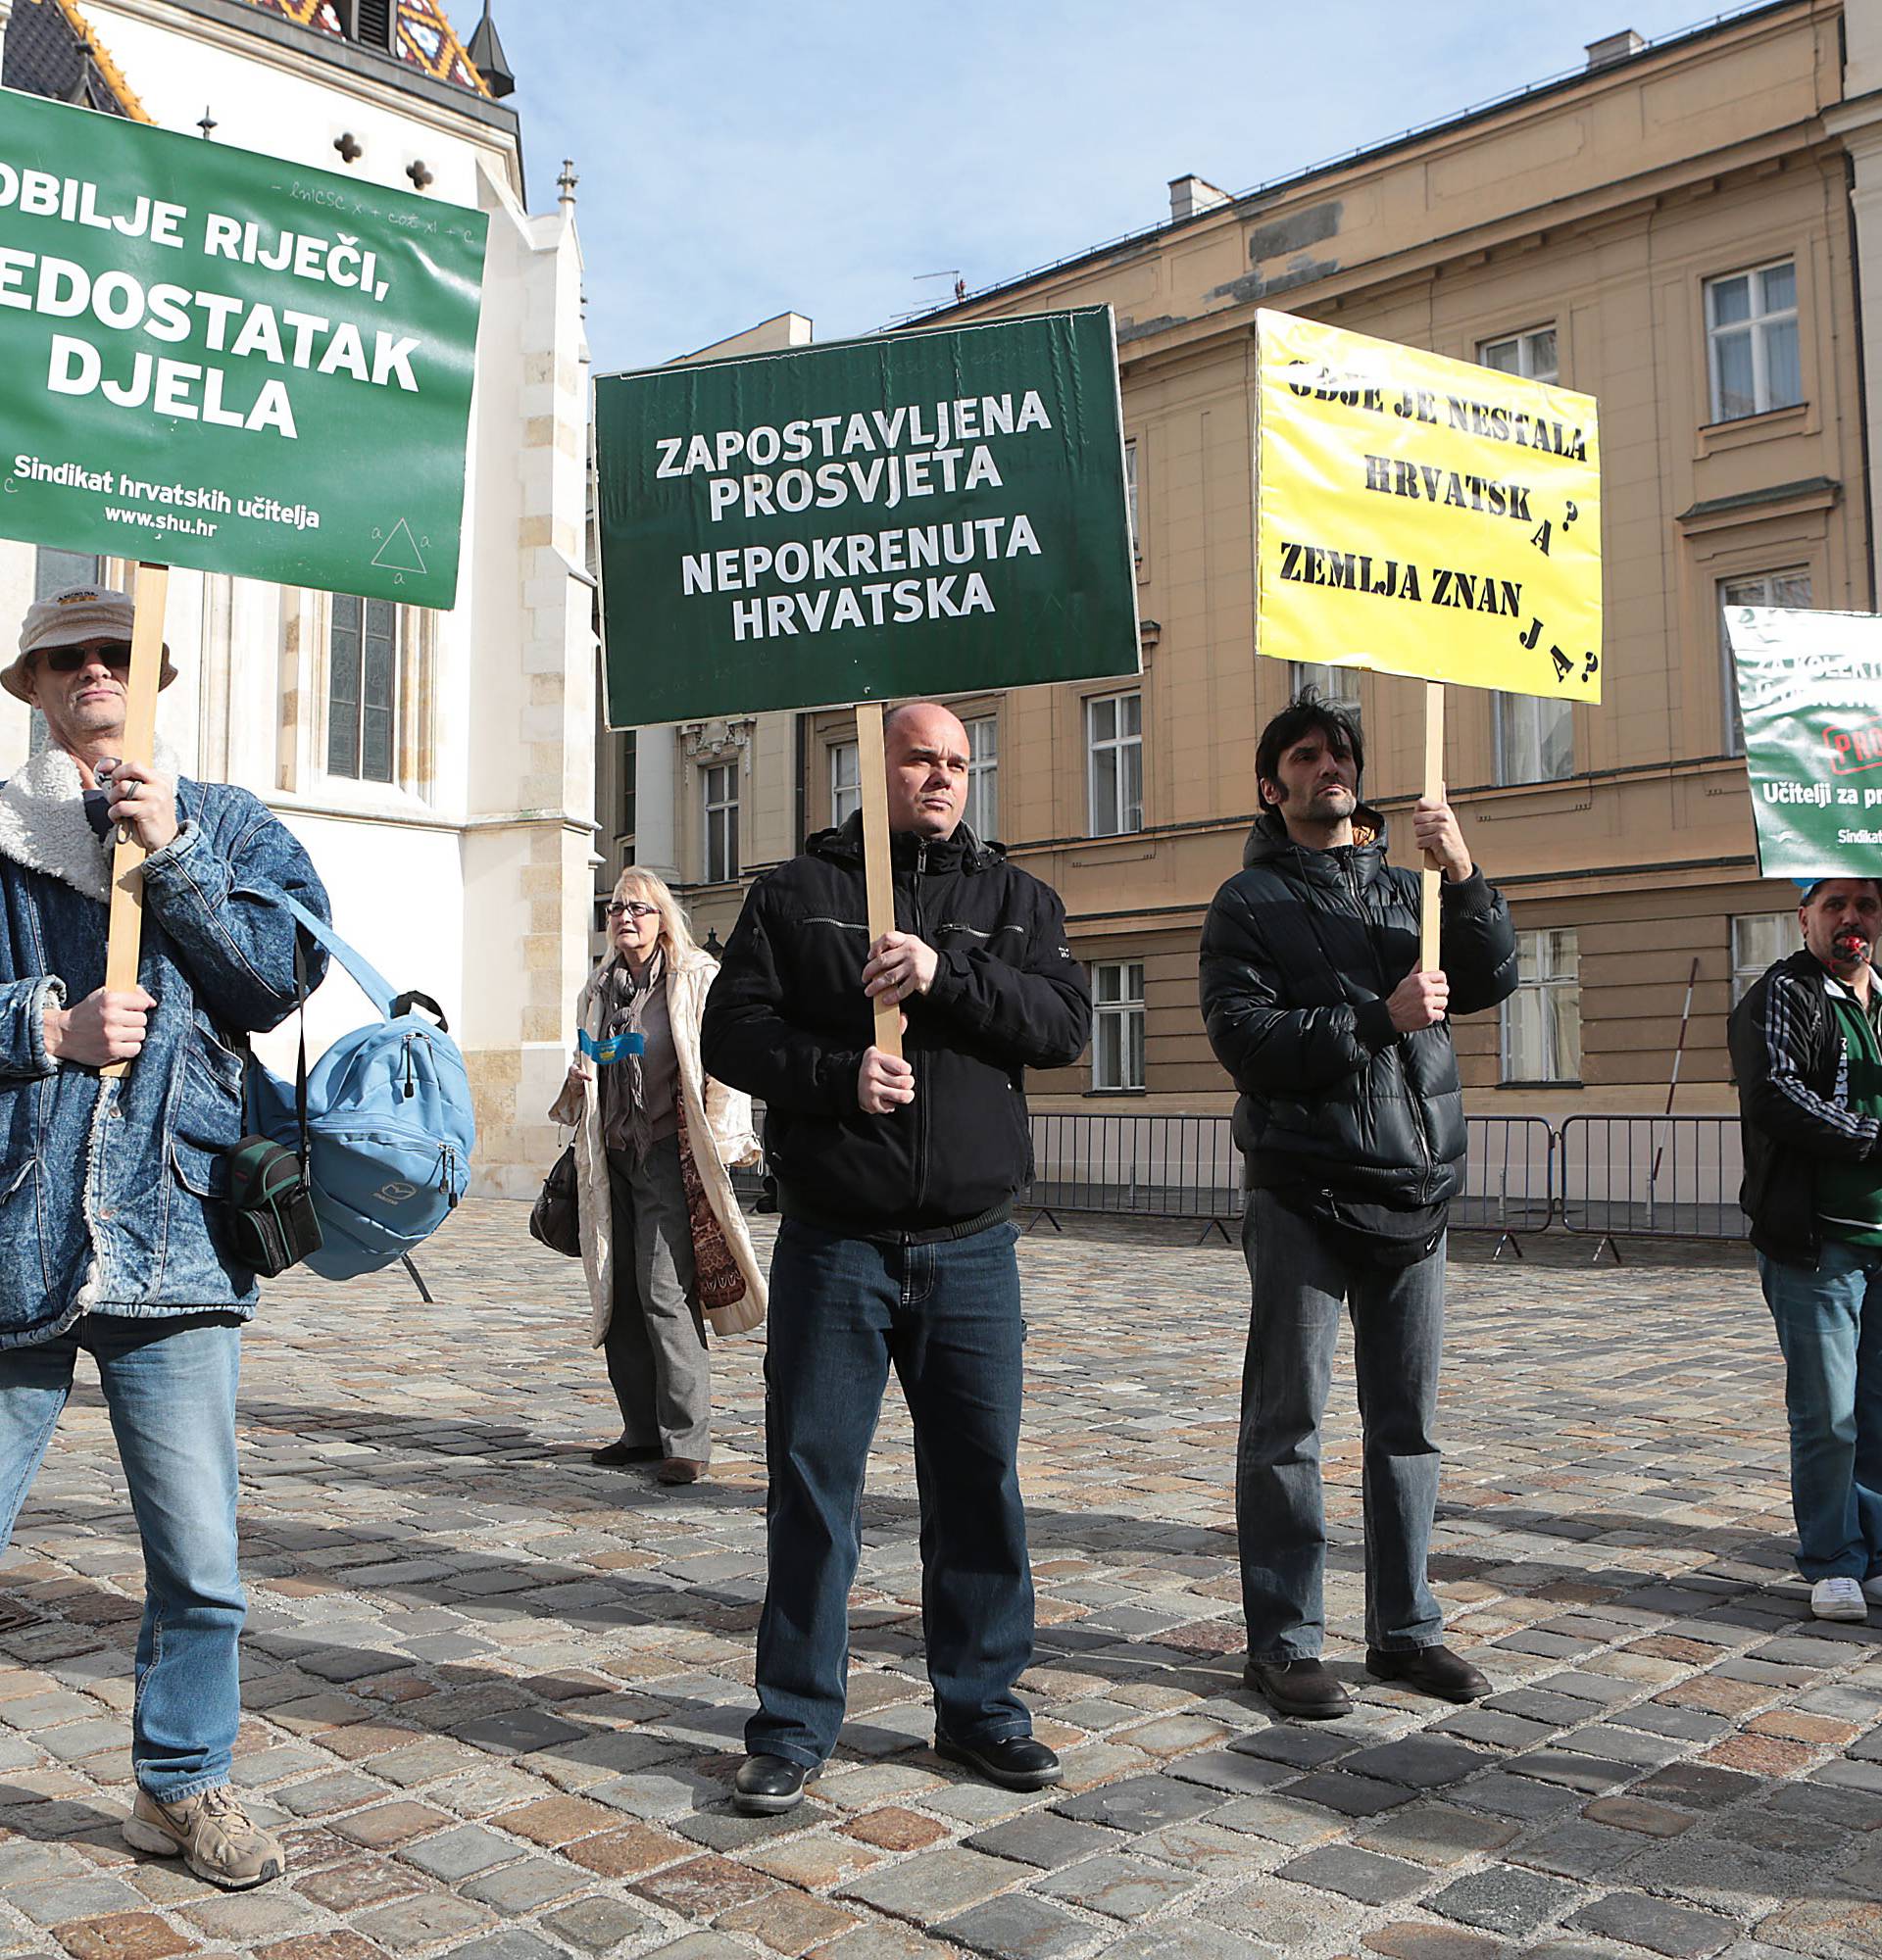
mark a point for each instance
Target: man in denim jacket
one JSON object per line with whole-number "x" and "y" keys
{"x": 112, "y": 1227}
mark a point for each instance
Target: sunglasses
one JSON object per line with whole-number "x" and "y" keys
{"x": 633, "y": 908}
{"x": 68, "y": 660}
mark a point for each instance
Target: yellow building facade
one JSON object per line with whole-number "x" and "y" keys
{"x": 1678, "y": 231}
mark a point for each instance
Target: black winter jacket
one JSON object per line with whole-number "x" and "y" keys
{"x": 1787, "y": 1059}
{"x": 1300, "y": 952}
{"x": 787, "y": 1020}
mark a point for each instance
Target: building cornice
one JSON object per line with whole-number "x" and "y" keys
{"x": 1810, "y": 493}
{"x": 1344, "y": 173}
{"x": 1857, "y": 115}
{"x": 1625, "y": 201}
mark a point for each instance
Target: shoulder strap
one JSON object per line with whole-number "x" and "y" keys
{"x": 371, "y": 984}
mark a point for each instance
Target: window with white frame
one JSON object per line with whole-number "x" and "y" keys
{"x": 1542, "y": 1018}
{"x": 56, "y": 570}
{"x": 983, "y": 776}
{"x": 1790, "y": 588}
{"x": 1759, "y": 940}
{"x": 1531, "y": 355}
{"x": 1114, "y": 760}
{"x": 1130, "y": 492}
{"x": 1117, "y": 1024}
{"x": 1535, "y": 738}
{"x": 719, "y": 784}
{"x": 1338, "y": 687}
{"x": 363, "y": 689}
{"x": 846, "y": 782}
{"x": 1751, "y": 341}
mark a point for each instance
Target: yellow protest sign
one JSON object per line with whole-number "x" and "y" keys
{"x": 1427, "y": 516}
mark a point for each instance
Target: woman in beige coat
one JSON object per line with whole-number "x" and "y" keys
{"x": 655, "y": 1142}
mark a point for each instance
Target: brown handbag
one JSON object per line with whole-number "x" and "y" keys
{"x": 719, "y": 1281}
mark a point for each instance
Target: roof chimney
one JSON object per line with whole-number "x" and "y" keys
{"x": 1191, "y": 194}
{"x": 1612, "y": 48}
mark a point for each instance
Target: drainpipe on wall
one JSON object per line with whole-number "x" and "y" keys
{"x": 1861, "y": 370}
{"x": 801, "y": 788}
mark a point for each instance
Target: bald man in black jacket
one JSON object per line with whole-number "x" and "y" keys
{"x": 896, "y": 1179}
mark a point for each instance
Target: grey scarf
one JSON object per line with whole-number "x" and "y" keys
{"x": 626, "y": 1123}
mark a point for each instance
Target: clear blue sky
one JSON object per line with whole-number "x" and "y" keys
{"x": 741, "y": 158}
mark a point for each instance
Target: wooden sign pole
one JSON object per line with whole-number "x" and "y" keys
{"x": 140, "y": 741}
{"x": 872, "y": 774}
{"x": 1432, "y": 877}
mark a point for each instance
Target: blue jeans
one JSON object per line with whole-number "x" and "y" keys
{"x": 1829, "y": 1326}
{"x": 1301, "y": 1275}
{"x": 170, "y": 1387}
{"x": 947, "y": 1316}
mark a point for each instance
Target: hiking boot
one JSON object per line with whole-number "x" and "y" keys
{"x": 211, "y": 1833}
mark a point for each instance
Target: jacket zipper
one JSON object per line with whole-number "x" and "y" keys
{"x": 920, "y": 1102}
{"x": 1412, "y": 1102}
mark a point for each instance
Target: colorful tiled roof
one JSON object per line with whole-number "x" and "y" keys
{"x": 423, "y": 37}
{"x": 46, "y": 53}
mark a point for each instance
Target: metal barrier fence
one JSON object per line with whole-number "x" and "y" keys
{"x": 1136, "y": 1166}
{"x": 1509, "y": 1177}
{"x": 1154, "y": 1166}
{"x": 1651, "y": 1177}
{"x": 1605, "y": 1176}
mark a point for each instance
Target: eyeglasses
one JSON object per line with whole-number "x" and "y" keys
{"x": 68, "y": 660}
{"x": 633, "y": 908}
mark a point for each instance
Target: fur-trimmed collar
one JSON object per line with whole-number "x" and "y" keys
{"x": 43, "y": 823}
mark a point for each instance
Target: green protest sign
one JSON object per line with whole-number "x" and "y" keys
{"x": 1809, "y": 690}
{"x": 211, "y": 358}
{"x": 871, "y": 518}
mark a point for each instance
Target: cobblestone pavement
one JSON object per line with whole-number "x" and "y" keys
{"x": 494, "y": 1694}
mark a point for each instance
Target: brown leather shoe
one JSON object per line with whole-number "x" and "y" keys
{"x": 1434, "y": 1670}
{"x": 1302, "y": 1688}
{"x": 611, "y": 1455}
{"x": 680, "y": 1470}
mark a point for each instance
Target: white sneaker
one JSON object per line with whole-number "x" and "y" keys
{"x": 1872, "y": 1590}
{"x": 1838, "y": 1600}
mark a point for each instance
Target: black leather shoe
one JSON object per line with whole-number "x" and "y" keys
{"x": 768, "y": 1785}
{"x": 1299, "y": 1688}
{"x": 1013, "y": 1762}
{"x": 1431, "y": 1671}
{"x": 611, "y": 1455}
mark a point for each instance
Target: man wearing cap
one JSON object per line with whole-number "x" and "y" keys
{"x": 1806, "y": 1053}
{"x": 112, "y": 1229}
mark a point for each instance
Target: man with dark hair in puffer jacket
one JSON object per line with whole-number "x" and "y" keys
{"x": 1351, "y": 1120}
